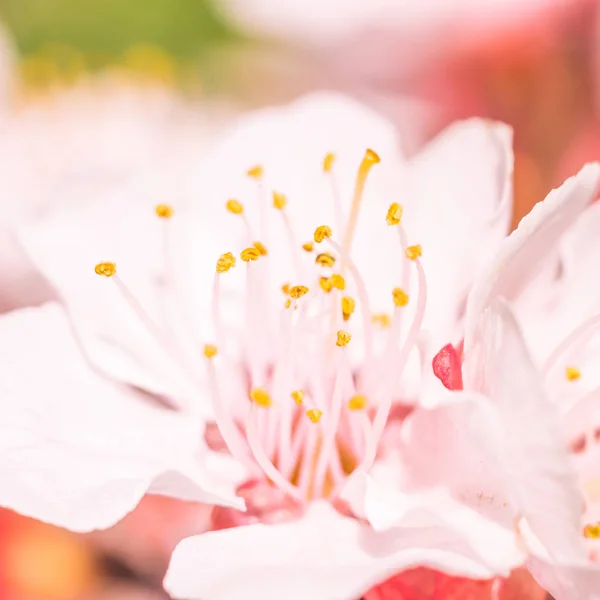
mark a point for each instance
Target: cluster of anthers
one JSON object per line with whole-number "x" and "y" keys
{"x": 312, "y": 417}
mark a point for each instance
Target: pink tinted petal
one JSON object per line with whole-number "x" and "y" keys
{"x": 75, "y": 449}
{"x": 526, "y": 252}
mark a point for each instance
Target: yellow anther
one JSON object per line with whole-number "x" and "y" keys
{"x": 107, "y": 269}
{"x": 279, "y": 200}
{"x": 348, "y": 306}
{"x": 210, "y": 350}
{"x": 325, "y": 284}
{"x": 298, "y": 291}
{"x": 394, "y": 214}
{"x": 592, "y": 531}
{"x": 371, "y": 157}
{"x": 572, "y": 373}
{"x": 261, "y": 248}
{"x": 261, "y": 397}
{"x": 235, "y": 207}
{"x": 288, "y": 303}
{"x": 298, "y": 396}
{"x": 357, "y": 402}
{"x": 381, "y": 319}
{"x": 309, "y": 246}
{"x": 328, "y": 162}
{"x": 314, "y": 414}
{"x": 400, "y": 297}
{"x": 285, "y": 288}
{"x": 337, "y": 281}
{"x": 255, "y": 172}
{"x": 164, "y": 211}
{"x": 249, "y": 254}
{"x": 226, "y": 261}
{"x": 322, "y": 232}
{"x": 343, "y": 338}
{"x": 413, "y": 252}
{"x": 325, "y": 259}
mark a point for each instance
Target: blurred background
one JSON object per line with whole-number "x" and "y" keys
{"x": 121, "y": 84}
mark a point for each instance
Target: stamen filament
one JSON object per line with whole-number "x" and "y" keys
{"x": 263, "y": 460}
{"x": 370, "y": 159}
{"x": 223, "y": 417}
{"x": 397, "y": 367}
{"x": 363, "y": 296}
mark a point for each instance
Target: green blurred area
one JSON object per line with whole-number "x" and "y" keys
{"x": 102, "y": 31}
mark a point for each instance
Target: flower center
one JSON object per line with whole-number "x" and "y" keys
{"x": 318, "y": 394}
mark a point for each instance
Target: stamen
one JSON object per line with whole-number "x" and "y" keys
{"x": 333, "y": 420}
{"x": 250, "y": 254}
{"x": 399, "y": 361}
{"x": 227, "y": 426}
{"x": 256, "y": 172}
{"x": 328, "y": 162}
{"x": 381, "y": 319}
{"x": 309, "y": 246}
{"x": 335, "y": 192}
{"x": 370, "y": 159}
{"x": 285, "y": 288}
{"x": 263, "y": 460}
{"x": 362, "y": 296}
{"x": 325, "y": 259}
{"x": 400, "y": 297}
{"x": 414, "y": 252}
{"x": 106, "y": 269}
{"x": 298, "y": 291}
{"x": 574, "y": 339}
{"x": 279, "y": 200}
{"x": 298, "y": 396}
{"x": 357, "y": 402}
{"x": 225, "y": 262}
{"x": 260, "y": 397}
{"x": 348, "y": 306}
{"x": 343, "y": 338}
{"x": 234, "y": 207}
{"x": 314, "y": 414}
{"x": 210, "y": 350}
{"x": 164, "y": 211}
{"x": 572, "y": 373}
{"x": 322, "y": 232}
{"x": 326, "y": 284}
{"x": 592, "y": 531}
{"x": 394, "y": 214}
{"x": 337, "y": 281}
{"x": 261, "y": 248}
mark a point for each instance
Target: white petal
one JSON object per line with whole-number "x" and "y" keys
{"x": 543, "y": 485}
{"x": 117, "y": 223}
{"x": 526, "y": 252}
{"x": 76, "y": 450}
{"x": 567, "y": 582}
{"x": 458, "y": 206}
{"x": 322, "y": 556}
{"x": 495, "y": 545}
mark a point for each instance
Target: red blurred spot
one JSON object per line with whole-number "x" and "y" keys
{"x": 425, "y": 584}
{"x": 446, "y": 367}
